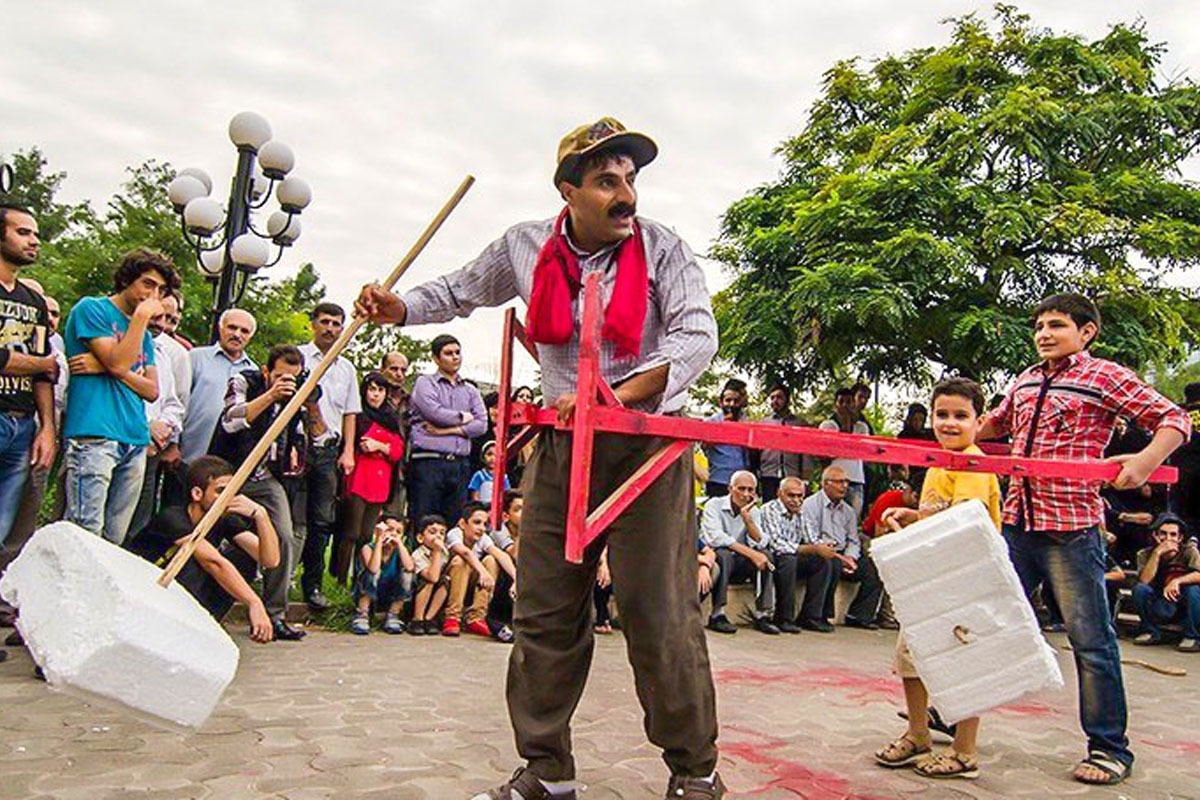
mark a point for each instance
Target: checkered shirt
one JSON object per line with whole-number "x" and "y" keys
{"x": 1069, "y": 414}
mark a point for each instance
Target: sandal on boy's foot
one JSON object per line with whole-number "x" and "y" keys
{"x": 683, "y": 787}
{"x": 1147, "y": 639}
{"x": 1114, "y": 771}
{"x": 934, "y": 722}
{"x": 948, "y": 764}
{"x": 361, "y": 625}
{"x": 522, "y": 786}
{"x": 393, "y": 625}
{"x": 901, "y": 752}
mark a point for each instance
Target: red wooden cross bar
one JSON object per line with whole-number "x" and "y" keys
{"x": 597, "y": 409}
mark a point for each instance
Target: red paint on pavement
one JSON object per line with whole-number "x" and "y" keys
{"x": 1186, "y": 748}
{"x": 860, "y": 685}
{"x": 1034, "y": 710}
{"x": 789, "y": 776}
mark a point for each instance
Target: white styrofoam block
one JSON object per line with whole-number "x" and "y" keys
{"x": 951, "y": 572}
{"x": 95, "y": 621}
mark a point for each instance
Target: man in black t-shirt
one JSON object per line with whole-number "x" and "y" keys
{"x": 28, "y": 370}
{"x": 222, "y": 567}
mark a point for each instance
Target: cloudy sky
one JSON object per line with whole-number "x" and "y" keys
{"x": 389, "y": 104}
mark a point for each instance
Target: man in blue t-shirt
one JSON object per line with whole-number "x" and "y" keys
{"x": 111, "y": 356}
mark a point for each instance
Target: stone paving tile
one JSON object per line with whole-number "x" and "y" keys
{"x": 383, "y": 717}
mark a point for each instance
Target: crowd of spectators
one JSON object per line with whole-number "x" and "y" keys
{"x": 383, "y": 488}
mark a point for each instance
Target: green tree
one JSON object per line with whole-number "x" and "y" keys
{"x": 934, "y": 197}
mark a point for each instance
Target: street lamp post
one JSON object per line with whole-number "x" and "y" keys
{"x": 229, "y": 249}
{"x": 6, "y": 179}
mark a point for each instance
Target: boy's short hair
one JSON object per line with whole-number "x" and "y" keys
{"x": 512, "y": 496}
{"x": 1191, "y": 393}
{"x": 441, "y": 341}
{"x": 843, "y": 391}
{"x": 206, "y": 469}
{"x": 137, "y": 262}
{"x": 1078, "y": 307}
{"x": 470, "y": 508}
{"x": 430, "y": 519}
{"x": 960, "y": 387}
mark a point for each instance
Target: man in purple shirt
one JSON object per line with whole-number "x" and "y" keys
{"x": 446, "y": 413}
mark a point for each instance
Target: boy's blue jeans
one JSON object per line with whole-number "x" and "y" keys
{"x": 384, "y": 592}
{"x": 104, "y": 481}
{"x": 1153, "y": 608}
{"x": 1073, "y": 564}
{"x": 16, "y": 438}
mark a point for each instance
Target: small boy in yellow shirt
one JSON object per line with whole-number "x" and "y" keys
{"x": 957, "y": 416}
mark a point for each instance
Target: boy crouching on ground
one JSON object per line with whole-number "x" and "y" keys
{"x": 475, "y": 561}
{"x": 385, "y": 578}
{"x": 429, "y": 567}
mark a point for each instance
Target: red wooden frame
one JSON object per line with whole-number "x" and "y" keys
{"x": 597, "y": 409}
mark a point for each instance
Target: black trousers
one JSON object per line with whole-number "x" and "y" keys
{"x": 865, "y": 606}
{"x": 790, "y": 568}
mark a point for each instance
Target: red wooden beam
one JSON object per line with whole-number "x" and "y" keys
{"x": 582, "y": 439}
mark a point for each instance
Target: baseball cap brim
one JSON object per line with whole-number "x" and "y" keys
{"x": 641, "y": 148}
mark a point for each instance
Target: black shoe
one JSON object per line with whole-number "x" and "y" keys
{"x": 788, "y": 627}
{"x": 818, "y": 625}
{"x": 764, "y": 625}
{"x": 317, "y": 601}
{"x": 855, "y": 622}
{"x": 416, "y": 627}
{"x": 432, "y": 628}
{"x": 889, "y": 623}
{"x": 685, "y": 788}
{"x": 14, "y": 639}
{"x": 286, "y": 633}
{"x": 721, "y": 624}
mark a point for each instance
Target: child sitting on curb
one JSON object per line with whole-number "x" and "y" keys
{"x": 475, "y": 561}
{"x": 429, "y": 567}
{"x": 385, "y": 578}
{"x": 957, "y": 411}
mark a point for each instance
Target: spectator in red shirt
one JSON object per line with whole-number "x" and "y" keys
{"x": 899, "y": 495}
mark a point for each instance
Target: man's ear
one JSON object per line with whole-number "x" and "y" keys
{"x": 565, "y": 189}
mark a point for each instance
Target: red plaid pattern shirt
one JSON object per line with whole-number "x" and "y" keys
{"x": 1069, "y": 414}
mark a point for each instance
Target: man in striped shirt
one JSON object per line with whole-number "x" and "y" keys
{"x": 659, "y": 335}
{"x": 1066, "y": 407}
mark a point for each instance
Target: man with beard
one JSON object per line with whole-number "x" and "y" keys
{"x": 28, "y": 369}
{"x": 726, "y": 459}
{"x": 659, "y": 335}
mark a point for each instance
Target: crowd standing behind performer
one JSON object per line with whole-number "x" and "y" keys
{"x": 374, "y": 485}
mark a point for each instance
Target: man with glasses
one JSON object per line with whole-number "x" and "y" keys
{"x": 831, "y": 523}
{"x": 1168, "y": 586}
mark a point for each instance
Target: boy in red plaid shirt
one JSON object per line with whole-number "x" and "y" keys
{"x": 1065, "y": 407}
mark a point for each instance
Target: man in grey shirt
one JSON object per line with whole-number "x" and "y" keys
{"x": 659, "y": 336}
{"x": 831, "y": 521}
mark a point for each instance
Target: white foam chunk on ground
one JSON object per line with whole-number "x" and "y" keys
{"x": 95, "y": 620}
{"x": 973, "y": 635}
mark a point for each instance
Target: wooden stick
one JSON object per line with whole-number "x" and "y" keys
{"x": 285, "y": 416}
{"x": 1174, "y": 672}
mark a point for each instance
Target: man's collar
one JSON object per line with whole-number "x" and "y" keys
{"x": 231, "y": 359}
{"x": 830, "y": 502}
{"x": 726, "y": 504}
{"x": 452, "y": 380}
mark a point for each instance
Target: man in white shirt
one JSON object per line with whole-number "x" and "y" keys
{"x": 332, "y": 451}
{"x": 731, "y": 526}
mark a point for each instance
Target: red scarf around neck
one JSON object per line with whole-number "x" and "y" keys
{"x": 556, "y": 282}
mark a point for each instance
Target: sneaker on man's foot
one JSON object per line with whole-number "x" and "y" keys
{"x": 1188, "y": 646}
{"x": 522, "y": 786}
{"x": 286, "y": 633}
{"x": 818, "y": 625}
{"x": 451, "y": 627}
{"x": 479, "y": 628}
{"x": 318, "y": 601}
{"x": 721, "y": 624}
{"x": 685, "y": 788}
{"x": 764, "y": 625}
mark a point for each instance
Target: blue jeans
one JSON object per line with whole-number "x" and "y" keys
{"x": 1153, "y": 608}
{"x": 16, "y": 438}
{"x": 104, "y": 481}
{"x": 1072, "y": 563}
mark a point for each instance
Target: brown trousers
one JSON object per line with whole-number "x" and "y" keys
{"x": 652, "y": 557}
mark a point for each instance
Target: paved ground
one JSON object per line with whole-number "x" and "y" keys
{"x": 339, "y": 716}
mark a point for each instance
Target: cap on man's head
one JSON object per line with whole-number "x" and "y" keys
{"x": 603, "y": 134}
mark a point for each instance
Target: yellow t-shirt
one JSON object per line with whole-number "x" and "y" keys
{"x": 944, "y": 488}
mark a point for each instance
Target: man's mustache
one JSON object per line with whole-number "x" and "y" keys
{"x": 622, "y": 209}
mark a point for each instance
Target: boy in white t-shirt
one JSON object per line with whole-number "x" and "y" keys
{"x": 475, "y": 561}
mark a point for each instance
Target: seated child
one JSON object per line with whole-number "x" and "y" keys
{"x": 475, "y": 561}
{"x": 483, "y": 482}
{"x": 385, "y": 576}
{"x": 507, "y": 537}
{"x": 957, "y": 411}
{"x": 1168, "y": 585}
{"x": 429, "y": 568}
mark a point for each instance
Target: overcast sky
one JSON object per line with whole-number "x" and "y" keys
{"x": 389, "y": 104}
